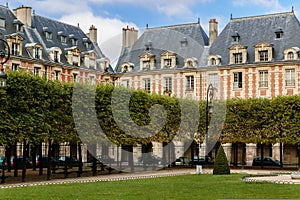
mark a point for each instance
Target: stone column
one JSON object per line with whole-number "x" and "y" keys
{"x": 227, "y": 149}
{"x": 250, "y": 153}
{"x": 202, "y": 148}
{"x": 276, "y": 151}
{"x": 179, "y": 148}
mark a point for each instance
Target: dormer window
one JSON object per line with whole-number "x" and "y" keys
{"x": 263, "y": 52}
{"x": 103, "y": 64}
{"x": 74, "y": 40}
{"x": 62, "y": 37}
{"x": 291, "y": 53}
{"x": 90, "y": 60}
{"x": 55, "y": 53}
{"x": 127, "y": 67}
{"x": 184, "y": 42}
{"x": 148, "y": 46}
{"x": 278, "y": 33}
{"x": 15, "y": 49}
{"x": 18, "y": 25}
{"x": 235, "y": 37}
{"x": 190, "y": 62}
{"x": 238, "y": 54}
{"x": 15, "y": 42}
{"x": 147, "y": 61}
{"x": 35, "y": 50}
{"x": 48, "y": 35}
{"x": 2, "y": 23}
{"x": 87, "y": 43}
{"x": 168, "y": 59}
{"x": 214, "y": 60}
{"x": 73, "y": 56}
{"x": 290, "y": 56}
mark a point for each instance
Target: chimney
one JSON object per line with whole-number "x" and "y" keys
{"x": 23, "y": 14}
{"x": 93, "y": 34}
{"x": 213, "y": 30}
{"x": 130, "y": 36}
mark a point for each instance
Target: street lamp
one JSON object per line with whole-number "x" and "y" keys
{"x": 209, "y": 109}
{"x": 4, "y": 56}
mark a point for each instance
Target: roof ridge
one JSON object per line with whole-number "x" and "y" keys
{"x": 173, "y": 26}
{"x": 262, "y": 16}
{"x": 54, "y": 20}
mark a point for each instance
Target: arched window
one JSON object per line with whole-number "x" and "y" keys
{"x": 290, "y": 56}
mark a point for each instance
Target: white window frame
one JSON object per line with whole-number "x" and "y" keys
{"x": 190, "y": 82}
{"x": 290, "y": 77}
{"x": 263, "y": 81}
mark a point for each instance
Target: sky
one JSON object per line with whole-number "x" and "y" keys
{"x": 110, "y": 16}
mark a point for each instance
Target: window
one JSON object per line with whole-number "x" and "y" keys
{"x": 74, "y": 42}
{"x": 263, "y": 79}
{"x": 15, "y": 49}
{"x": 290, "y": 56}
{"x": 14, "y": 67}
{"x": 75, "y": 60}
{"x": 63, "y": 39}
{"x": 189, "y": 83}
{"x": 2, "y": 23}
{"x": 48, "y": 35}
{"x": 237, "y": 80}
{"x": 290, "y": 77}
{"x": 167, "y": 63}
{"x": 36, "y": 71}
{"x": 213, "y": 79}
{"x": 92, "y": 63}
{"x": 278, "y": 33}
{"x": 74, "y": 77}
{"x": 263, "y": 55}
{"x": 213, "y": 61}
{"x": 56, "y": 53}
{"x": 168, "y": 84}
{"x": 238, "y": 58}
{"x": 184, "y": 42}
{"x": 146, "y": 65}
{"x": 147, "y": 84}
{"x": 37, "y": 52}
{"x": 56, "y": 75}
{"x": 125, "y": 83}
{"x": 235, "y": 37}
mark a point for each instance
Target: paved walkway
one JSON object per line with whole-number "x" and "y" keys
{"x": 283, "y": 177}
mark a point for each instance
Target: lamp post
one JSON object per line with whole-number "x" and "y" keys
{"x": 4, "y": 56}
{"x": 209, "y": 107}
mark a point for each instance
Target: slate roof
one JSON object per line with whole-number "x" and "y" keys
{"x": 256, "y": 29}
{"x": 36, "y": 34}
{"x": 167, "y": 38}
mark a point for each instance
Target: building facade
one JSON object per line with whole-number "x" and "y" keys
{"x": 52, "y": 49}
{"x": 252, "y": 57}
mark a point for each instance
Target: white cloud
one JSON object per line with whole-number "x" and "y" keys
{"x": 271, "y": 5}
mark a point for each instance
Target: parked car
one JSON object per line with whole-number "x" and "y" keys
{"x": 149, "y": 160}
{"x": 200, "y": 160}
{"x": 181, "y": 161}
{"x": 42, "y": 161}
{"x": 18, "y": 161}
{"x": 68, "y": 161}
{"x": 267, "y": 161}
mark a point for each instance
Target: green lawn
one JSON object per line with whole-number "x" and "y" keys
{"x": 179, "y": 187}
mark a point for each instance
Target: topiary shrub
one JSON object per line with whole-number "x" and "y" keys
{"x": 221, "y": 164}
